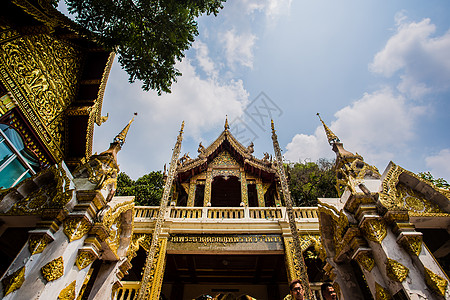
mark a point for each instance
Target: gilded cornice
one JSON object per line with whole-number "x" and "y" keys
{"x": 396, "y": 195}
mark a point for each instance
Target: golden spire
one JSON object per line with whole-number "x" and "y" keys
{"x": 332, "y": 138}
{"x": 226, "y": 123}
{"x": 120, "y": 138}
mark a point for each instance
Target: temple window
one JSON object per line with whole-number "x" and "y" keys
{"x": 269, "y": 196}
{"x": 252, "y": 195}
{"x": 199, "y": 195}
{"x": 16, "y": 161}
{"x": 226, "y": 192}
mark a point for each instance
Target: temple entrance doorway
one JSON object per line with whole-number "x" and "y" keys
{"x": 189, "y": 276}
{"x": 226, "y": 192}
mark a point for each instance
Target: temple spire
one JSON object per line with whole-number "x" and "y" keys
{"x": 302, "y": 274}
{"x": 226, "y": 123}
{"x": 332, "y": 138}
{"x": 120, "y": 138}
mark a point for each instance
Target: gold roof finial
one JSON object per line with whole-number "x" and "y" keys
{"x": 226, "y": 123}
{"x": 332, "y": 138}
{"x": 182, "y": 127}
{"x": 120, "y": 138}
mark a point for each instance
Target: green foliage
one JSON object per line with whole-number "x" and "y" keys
{"x": 311, "y": 180}
{"x": 439, "y": 182}
{"x": 148, "y": 35}
{"x": 147, "y": 189}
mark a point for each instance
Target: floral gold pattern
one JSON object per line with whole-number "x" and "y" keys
{"x": 37, "y": 244}
{"x": 375, "y": 230}
{"x": 366, "y": 261}
{"x": 412, "y": 244}
{"x": 68, "y": 293}
{"x": 396, "y": 271}
{"x": 54, "y": 269}
{"x": 436, "y": 282}
{"x": 381, "y": 293}
{"x": 76, "y": 228}
{"x": 84, "y": 259}
{"x": 13, "y": 281}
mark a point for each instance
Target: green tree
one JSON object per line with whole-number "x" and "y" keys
{"x": 311, "y": 180}
{"x": 439, "y": 182}
{"x": 148, "y": 35}
{"x": 147, "y": 189}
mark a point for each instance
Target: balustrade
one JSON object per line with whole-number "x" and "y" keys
{"x": 128, "y": 291}
{"x": 259, "y": 213}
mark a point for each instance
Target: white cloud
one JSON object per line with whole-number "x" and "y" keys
{"x": 422, "y": 61}
{"x": 204, "y": 61}
{"x": 376, "y": 126}
{"x": 271, "y": 8}
{"x": 238, "y": 48}
{"x": 440, "y": 164}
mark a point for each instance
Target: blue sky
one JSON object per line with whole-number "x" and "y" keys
{"x": 377, "y": 71}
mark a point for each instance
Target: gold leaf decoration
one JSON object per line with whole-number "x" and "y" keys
{"x": 436, "y": 282}
{"x": 381, "y": 293}
{"x": 13, "y": 281}
{"x": 54, "y": 269}
{"x": 396, "y": 271}
{"x": 375, "y": 230}
{"x": 366, "y": 261}
{"x": 84, "y": 259}
{"x": 68, "y": 293}
{"x": 37, "y": 244}
{"x": 412, "y": 244}
{"x": 76, "y": 228}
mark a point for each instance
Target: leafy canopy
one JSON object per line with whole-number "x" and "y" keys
{"x": 439, "y": 182}
{"x": 311, "y": 180}
{"x": 148, "y": 35}
{"x": 147, "y": 189}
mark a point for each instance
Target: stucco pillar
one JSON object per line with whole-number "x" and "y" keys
{"x": 260, "y": 193}
{"x": 244, "y": 192}
{"x": 208, "y": 186}
{"x": 191, "y": 196}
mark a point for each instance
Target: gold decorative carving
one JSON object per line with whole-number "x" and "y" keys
{"x": 395, "y": 270}
{"x": 49, "y": 195}
{"x": 366, "y": 261}
{"x": 76, "y": 228}
{"x": 292, "y": 262}
{"x": 68, "y": 293}
{"x": 397, "y": 195}
{"x": 412, "y": 244}
{"x": 375, "y": 230}
{"x": 14, "y": 281}
{"x": 41, "y": 73}
{"x": 224, "y": 159}
{"x": 436, "y": 282}
{"x": 157, "y": 270}
{"x": 37, "y": 243}
{"x": 260, "y": 194}
{"x": 138, "y": 239}
{"x": 381, "y": 293}
{"x": 207, "y": 197}
{"x": 84, "y": 259}
{"x": 191, "y": 195}
{"x": 54, "y": 269}
{"x": 115, "y": 231}
{"x": 244, "y": 190}
{"x": 6, "y": 104}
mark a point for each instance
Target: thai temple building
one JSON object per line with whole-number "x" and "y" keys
{"x": 226, "y": 224}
